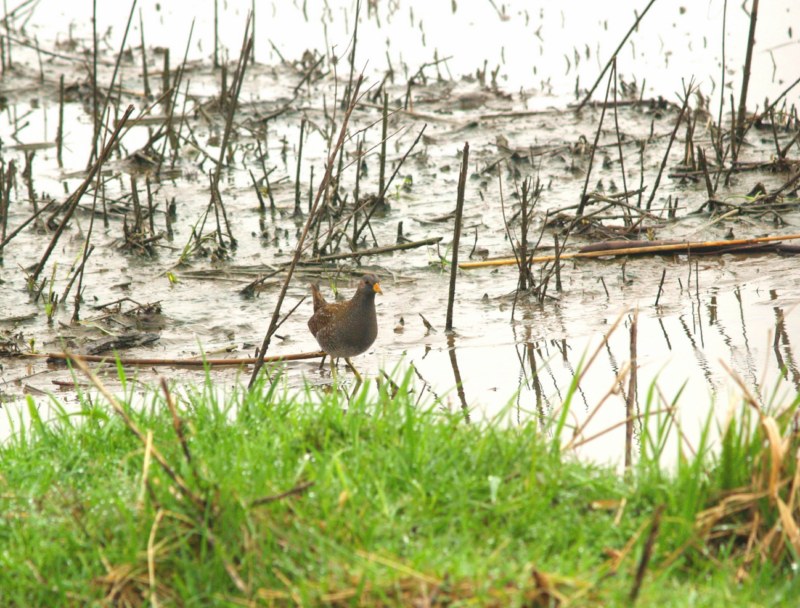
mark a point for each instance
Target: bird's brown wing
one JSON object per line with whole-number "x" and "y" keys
{"x": 324, "y": 315}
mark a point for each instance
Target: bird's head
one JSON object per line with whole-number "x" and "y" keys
{"x": 369, "y": 284}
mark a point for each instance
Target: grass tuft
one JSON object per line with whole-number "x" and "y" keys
{"x": 264, "y": 498}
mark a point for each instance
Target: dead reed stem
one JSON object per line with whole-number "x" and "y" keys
{"x": 297, "y": 210}
{"x": 95, "y": 108}
{"x": 216, "y": 34}
{"x": 647, "y": 552}
{"x": 232, "y": 102}
{"x": 613, "y": 389}
{"x": 619, "y": 143}
{"x": 60, "y": 130}
{"x": 384, "y": 121}
{"x": 373, "y": 251}
{"x": 170, "y": 97}
{"x": 686, "y": 94}
{"x": 586, "y": 366}
{"x": 583, "y": 200}
{"x": 179, "y": 426}
{"x": 605, "y": 431}
{"x": 630, "y": 401}
{"x": 614, "y": 55}
{"x": 742, "y": 113}
{"x": 382, "y": 193}
{"x": 660, "y": 286}
{"x": 100, "y": 119}
{"x": 298, "y": 489}
{"x": 682, "y": 247}
{"x": 718, "y": 144}
{"x": 145, "y": 76}
{"x": 462, "y": 182}
{"x": 22, "y": 226}
{"x": 87, "y": 250}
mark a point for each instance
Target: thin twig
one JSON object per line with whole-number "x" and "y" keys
{"x": 298, "y": 489}
{"x": 647, "y": 552}
{"x": 614, "y": 55}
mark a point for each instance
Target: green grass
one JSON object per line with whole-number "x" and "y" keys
{"x": 394, "y": 503}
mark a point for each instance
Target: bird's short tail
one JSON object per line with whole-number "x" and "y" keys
{"x": 319, "y": 301}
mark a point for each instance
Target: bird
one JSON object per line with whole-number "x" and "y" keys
{"x": 346, "y": 329}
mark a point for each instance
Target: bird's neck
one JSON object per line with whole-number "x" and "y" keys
{"x": 363, "y": 299}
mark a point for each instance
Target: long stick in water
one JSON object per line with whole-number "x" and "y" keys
{"x": 663, "y": 248}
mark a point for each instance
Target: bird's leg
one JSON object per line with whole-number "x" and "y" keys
{"x": 333, "y": 369}
{"x": 352, "y": 394}
{"x": 355, "y": 371}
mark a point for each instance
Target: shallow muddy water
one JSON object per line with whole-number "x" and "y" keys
{"x": 514, "y": 355}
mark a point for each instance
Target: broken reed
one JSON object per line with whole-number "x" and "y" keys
{"x": 462, "y": 182}
{"x": 7, "y": 174}
{"x": 530, "y": 192}
{"x": 298, "y": 212}
{"x": 751, "y": 39}
{"x": 100, "y": 113}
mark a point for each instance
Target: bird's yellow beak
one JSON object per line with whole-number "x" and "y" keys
{"x": 377, "y": 288}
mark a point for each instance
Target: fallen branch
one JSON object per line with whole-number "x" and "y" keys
{"x": 372, "y": 251}
{"x": 132, "y": 361}
{"x": 640, "y": 247}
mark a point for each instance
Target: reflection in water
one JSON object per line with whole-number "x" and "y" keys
{"x": 563, "y": 347}
{"x": 702, "y": 362}
{"x": 615, "y": 370}
{"x": 712, "y": 309}
{"x": 631, "y": 399}
{"x": 545, "y": 358}
{"x": 451, "y": 349}
{"x": 426, "y": 386}
{"x": 698, "y": 309}
{"x": 664, "y": 332}
{"x": 671, "y": 365}
{"x": 537, "y": 385}
{"x": 750, "y": 359}
{"x": 782, "y": 337}
{"x": 721, "y": 328}
{"x": 528, "y": 354}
